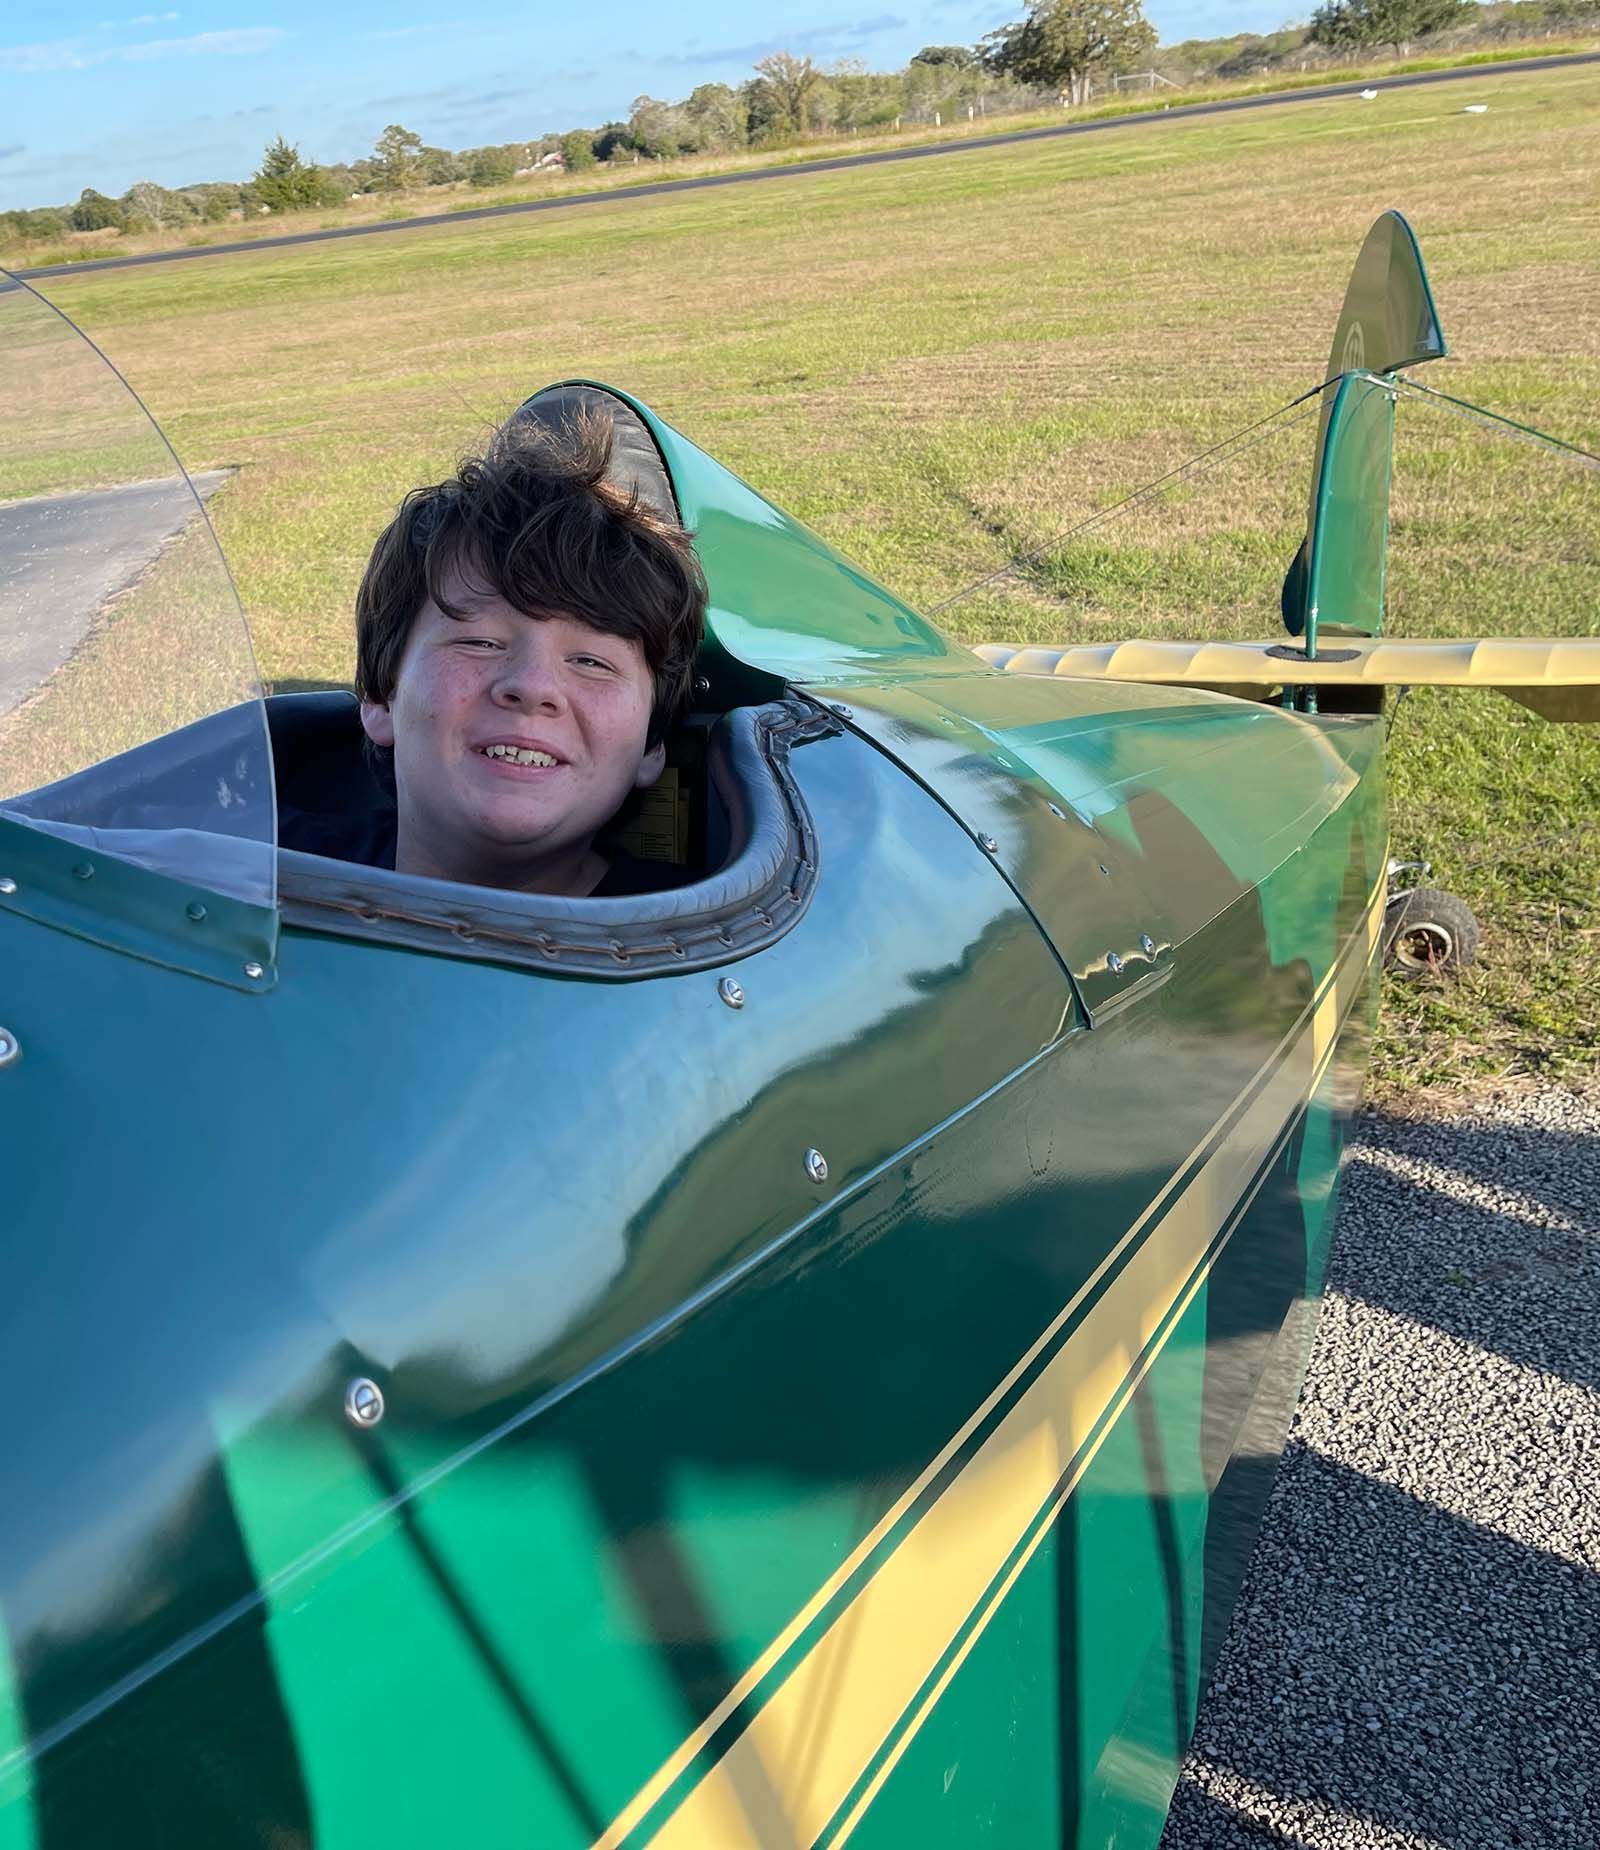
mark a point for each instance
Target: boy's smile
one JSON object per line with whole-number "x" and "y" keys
{"x": 515, "y": 739}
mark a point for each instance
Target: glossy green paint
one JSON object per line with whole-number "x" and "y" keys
{"x": 1068, "y": 1721}
{"x": 414, "y": 1231}
{"x": 1388, "y": 321}
{"x": 584, "y": 1560}
{"x": 1349, "y": 534}
{"x": 650, "y": 1389}
{"x": 132, "y": 910}
{"x": 783, "y": 602}
{"x": 1095, "y": 794}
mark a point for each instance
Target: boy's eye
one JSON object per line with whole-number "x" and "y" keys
{"x": 592, "y": 661}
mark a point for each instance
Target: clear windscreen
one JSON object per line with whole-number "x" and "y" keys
{"x": 131, "y": 716}
{"x": 1494, "y": 530}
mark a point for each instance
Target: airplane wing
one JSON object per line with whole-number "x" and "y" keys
{"x": 1557, "y": 678}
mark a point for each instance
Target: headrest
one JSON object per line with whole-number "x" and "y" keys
{"x": 635, "y": 461}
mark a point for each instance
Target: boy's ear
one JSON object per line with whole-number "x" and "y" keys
{"x": 651, "y": 765}
{"x": 378, "y": 724}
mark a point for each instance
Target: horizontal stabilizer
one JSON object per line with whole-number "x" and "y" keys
{"x": 1558, "y": 679}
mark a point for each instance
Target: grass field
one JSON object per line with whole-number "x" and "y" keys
{"x": 939, "y": 365}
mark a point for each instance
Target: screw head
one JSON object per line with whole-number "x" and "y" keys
{"x": 1105, "y": 870}
{"x": 7, "y": 885}
{"x": 195, "y": 912}
{"x": 731, "y": 992}
{"x": 83, "y": 871}
{"x": 816, "y": 1166}
{"x": 1058, "y": 812}
{"x": 702, "y": 684}
{"x": 1113, "y": 963}
{"x": 843, "y": 711}
{"x": 254, "y": 972}
{"x": 1147, "y": 944}
{"x": 363, "y": 1402}
{"x": 988, "y": 844}
{"x": 10, "y": 1047}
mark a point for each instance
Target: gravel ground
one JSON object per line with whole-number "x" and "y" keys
{"x": 1415, "y": 1660}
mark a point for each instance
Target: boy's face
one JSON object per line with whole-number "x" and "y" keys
{"x": 515, "y": 738}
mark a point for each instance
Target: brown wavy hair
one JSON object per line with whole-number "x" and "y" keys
{"x": 535, "y": 521}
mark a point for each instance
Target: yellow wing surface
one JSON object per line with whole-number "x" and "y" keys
{"x": 1559, "y": 679}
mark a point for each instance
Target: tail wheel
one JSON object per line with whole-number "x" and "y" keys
{"x": 1429, "y": 930}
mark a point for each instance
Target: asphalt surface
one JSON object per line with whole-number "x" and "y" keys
{"x": 63, "y": 556}
{"x": 1414, "y": 1663}
{"x": 838, "y": 163}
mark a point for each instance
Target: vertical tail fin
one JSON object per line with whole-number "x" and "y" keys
{"x": 1335, "y": 581}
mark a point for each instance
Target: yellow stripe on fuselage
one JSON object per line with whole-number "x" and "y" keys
{"x": 786, "y": 1775}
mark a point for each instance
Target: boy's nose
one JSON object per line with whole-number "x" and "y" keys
{"x": 527, "y": 683}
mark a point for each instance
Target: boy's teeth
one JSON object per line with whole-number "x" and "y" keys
{"x": 518, "y": 754}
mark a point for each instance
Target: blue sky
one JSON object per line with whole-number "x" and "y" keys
{"x": 93, "y": 95}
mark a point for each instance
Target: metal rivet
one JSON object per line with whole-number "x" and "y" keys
{"x": 731, "y": 992}
{"x": 254, "y": 972}
{"x": 844, "y": 712}
{"x": 10, "y": 1047}
{"x": 1148, "y": 945}
{"x": 1113, "y": 963}
{"x": 194, "y": 912}
{"x": 7, "y": 885}
{"x": 988, "y": 844}
{"x": 816, "y": 1166}
{"x": 1059, "y": 813}
{"x": 702, "y": 684}
{"x": 83, "y": 871}
{"x": 363, "y": 1402}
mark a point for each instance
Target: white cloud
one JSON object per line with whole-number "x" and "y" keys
{"x": 233, "y": 43}
{"x": 78, "y": 54}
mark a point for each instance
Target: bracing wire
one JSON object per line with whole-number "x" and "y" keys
{"x": 1477, "y": 414}
{"x": 1144, "y": 492}
{"x": 1235, "y": 444}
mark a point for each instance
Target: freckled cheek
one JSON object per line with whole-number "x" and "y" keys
{"x": 442, "y": 698}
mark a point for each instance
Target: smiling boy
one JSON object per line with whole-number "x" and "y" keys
{"x": 525, "y": 637}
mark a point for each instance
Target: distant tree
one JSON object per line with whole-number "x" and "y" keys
{"x": 491, "y": 167}
{"x": 719, "y": 119}
{"x": 577, "y": 149}
{"x": 440, "y": 167}
{"x": 793, "y": 82}
{"x": 43, "y": 222}
{"x": 1061, "y": 44}
{"x": 283, "y": 181}
{"x": 1254, "y": 54}
{"x": 23, "y": 225}
{"x": 959, "y": 57}
{"x": 94, "y": 212}
{"x": 764, "y": 113}
{"x": 651, "y": 128}
{"x": 1356, "y": 25}
{"x": 397, "y": 157}
{"x": 612, "y": 139}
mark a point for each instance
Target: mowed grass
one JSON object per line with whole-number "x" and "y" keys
{"x": 942, "y": 364}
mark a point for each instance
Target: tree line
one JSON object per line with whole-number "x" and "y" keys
{"x": 1057, "y": 52}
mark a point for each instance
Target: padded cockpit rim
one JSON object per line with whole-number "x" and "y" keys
{"x": 635, "y": 456}
{"x": 750, "y": 903}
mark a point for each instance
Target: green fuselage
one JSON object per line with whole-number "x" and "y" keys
{"x": 713, "y": 1503}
